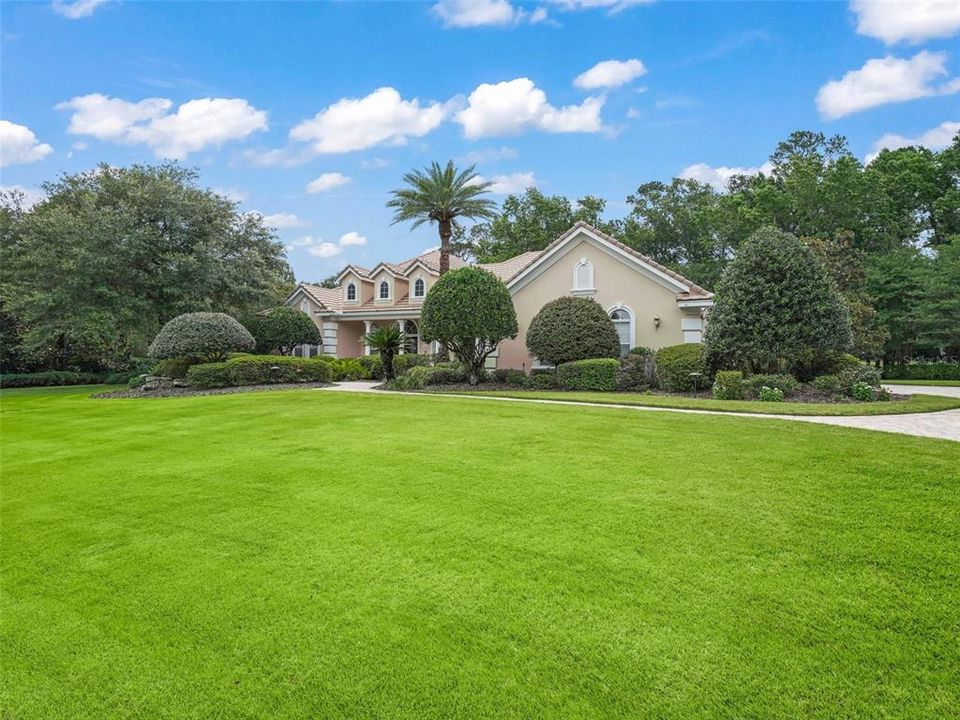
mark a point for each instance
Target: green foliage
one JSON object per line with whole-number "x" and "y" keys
{"x": 402, "y": 363}
{"x": 94, "y": 271}
{"x": 769, "y": 394}
{"x": 861, "y": 373}
{"x": 637, "y": 370}
{"x": 386, "y": 341}
{"x": 591, "y": 374}
{"x": 863, "y": 392}
{"x": 829, "y": 384}
{"x": 469, "y": 311}
{"x": 441, "y": 194}
{"x": 776, "y": 306}
{"x": 675, "y": 363}
{"x": 260, "y": 370}
{"x": 921, "y": 370}
{"x": 728, "y": 385}
{"x": 542, "y": 381}
{"x": 420, "y": 376}
{"x": 209, "y": 336}
{"x": 787, "y": 384}
{"x": 283, "y": 328}
{"x": 175, "y": 367}
{"x": 348, "y": 369}
{"x": 508, "y": 376}
{"x": 49, "y": 378}
{"x": 572, "y": 328}
{"x": 372, "y": 365}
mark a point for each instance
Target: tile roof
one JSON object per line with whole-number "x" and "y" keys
{"x": 506, "y": 269}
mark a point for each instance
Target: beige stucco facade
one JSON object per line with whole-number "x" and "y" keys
{"x": 652, "y": 306}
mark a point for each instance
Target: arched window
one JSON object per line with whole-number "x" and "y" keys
{"x": 412, "y": 337}
{"x": 583, "y": 275}
{"x": 623, "y": 321}
{"x": 419, "y": 288}
{"x": 351, "y": 292}
{"x": 384, "y": 290}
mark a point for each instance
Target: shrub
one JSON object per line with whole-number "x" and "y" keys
{"x": 175, "y": 367}
{"x": 591, "y": 374}
{"x": 402, "y": 363}
{"x": 505, "y": 376}
{"x": 861, "y": 373}
{"x": 776, "y": 306}
{"x": 787, "y": 384}
{"x": 469, "y": 311}
{"x": 863, "y": 392}
{"x": 641, "y": 351}
{"x": 675, "y": 363}
{"x": 208, "y": 336}
{"x": 728, "y": 385}
{"x": 769, "y": 394}
{"x": 49, "y": 378}
{"x": 420, "y": 376}
{"x": 572, "y": 328}
{"x": 209, "y": 375}
{"x": 346, "y": 369}
{"x": 282, "y": 329}
{"x": 542, "y": 381}
{"x": 942, "y": 370}
{"x": 637, "y": 371}
{"x": 259, "y": 370}
{"x": 373, "y": 366}
{"x": 829, "y": 384}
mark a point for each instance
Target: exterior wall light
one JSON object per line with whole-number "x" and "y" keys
{"x": 656, "y": 321}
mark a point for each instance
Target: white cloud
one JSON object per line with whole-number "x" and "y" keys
{"x": 195, "y": 125}
{"x": 283, "y": 220}
{"x": 327, "y": 181}
{"x": 936, "y": 138}
{"x": 324, "y": 250}
{"x": 382, "y": 117}
{"x": 279, "y": 157}
{"x": 719, "y": 176}
{"x": 29, "y": 196}
{"x": 474, "y": 13}
{"x": 352, "y": 238}
{"x": 913, "y": 21}
{"x": 634, "y": 114}
{"x": 376, "y": 163}
{"x": 512, "y": 106}
{"x": 613, "y": 6}
{"x": 475, "y": 157}
{"x": 19, "y": 146}
{"x": 508, "y": 184}
{"x": 232, "y": 193}
{"x": 76, "y": 9}
{"x": 884, "y": 80}
{"x": 610, "y": 73}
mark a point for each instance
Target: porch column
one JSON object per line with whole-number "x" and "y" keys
{"x": 400, "y": 325}
{"x": 368, "y": 326}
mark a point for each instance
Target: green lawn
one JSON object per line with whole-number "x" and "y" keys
{"x": 932, "y": 383}
{"x": 915, "y": 404}
{"x": 313, "y": 554}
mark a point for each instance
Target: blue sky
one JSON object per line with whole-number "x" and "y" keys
{"x": 309, "y": 113}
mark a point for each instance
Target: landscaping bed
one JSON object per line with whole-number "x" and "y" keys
{"x": 188, "y": 391}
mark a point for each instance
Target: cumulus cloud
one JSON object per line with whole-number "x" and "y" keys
{"x": 884, "y": 80}
{"x": 76, "y": 9}
{"x": 509, "y": 184}
{"x": 476, "y": 13}
{"x": 327, "y": 181}
{"x": 936, "y": 138}
{"x": 19, "y": 145}
{"x": 912, "y": 22}
{"x": 612, "y": 6}
{"x": 322, "y": 249}
{"x": 719, "y": 176}
{"x": 513, "y": 106}
{"x": 610, "y": 73}
{"x": 194, "y": 125}
{"x": 382, "y": 117}
{"x": 352, "y": 238}
{"x": 232, "y": 193}
{"x": 283, "y": 220}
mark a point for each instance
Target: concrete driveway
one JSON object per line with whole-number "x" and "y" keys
{"x": 924, "y": 390}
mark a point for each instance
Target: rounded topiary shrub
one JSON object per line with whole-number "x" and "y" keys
{"x": 572, "y": 328}
{"x": 204, "y": 335}
{"x": 677, "y": 365}
{"x": 282, "y": 329}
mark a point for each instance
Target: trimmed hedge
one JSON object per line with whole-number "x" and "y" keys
{"x": 421, "y": 375}
{"x": 260, "y": 370}
{"x": 372, "y": 365}
{"x": 949, "y": 370}
{"x": 786, "y": 384}
{"x": 591, "y": 374}
{"x": 206, "y": 335}
{"x": 829, "y": 384}
{"x": 676, "y": 362}
{"x": 504, "y": 376}
{"x": 728, "y": 385}
{"x": 863, "y": 373}
{"x": 572, "y": 328}
{"x": 49, "y": 378}
{"x": 402, "y": 363}
{"x": 542, "y": 380}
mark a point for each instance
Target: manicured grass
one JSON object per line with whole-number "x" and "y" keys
{"x": 933, "y": 383}
{"x": 317, "y": 554}
{"x": 915, "y": 404}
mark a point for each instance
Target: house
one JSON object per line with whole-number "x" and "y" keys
{"x": 650, "y": 305}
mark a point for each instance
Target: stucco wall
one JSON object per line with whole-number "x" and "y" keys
{"x": 616, "y": 284}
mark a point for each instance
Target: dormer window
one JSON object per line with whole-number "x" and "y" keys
{"x": 351, "y": 292}
{"x": 419, "y": 288}
{"x": 384, "y": 290}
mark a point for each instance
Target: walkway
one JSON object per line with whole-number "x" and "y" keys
{"x": 944, "y": 425}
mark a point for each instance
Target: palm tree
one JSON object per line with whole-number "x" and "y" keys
{"x": 387, "y": 341}
{"x": 442, "y": 194}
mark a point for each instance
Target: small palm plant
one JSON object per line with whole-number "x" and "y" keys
{"x": 442, "y": 194}
{"x": 386, "y": 341}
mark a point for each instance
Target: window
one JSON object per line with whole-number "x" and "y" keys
{"x": 384, "y": 290}
{"x": 412, "y": 337}
{"x": 623, "y": 322}
{"x": 351, "y": 292}
{"x": 583, "y": 275}
{"x": 419, "y": 288}
{"x": 305, "y": 307}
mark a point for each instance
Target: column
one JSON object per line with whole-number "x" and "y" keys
{"x": 368, "y": 326}
{"x": 400, "y": 325}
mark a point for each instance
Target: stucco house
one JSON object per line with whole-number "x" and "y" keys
{"x": 649, "y": 304}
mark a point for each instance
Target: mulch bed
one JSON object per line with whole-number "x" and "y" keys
{"x": 186, "y": 392}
